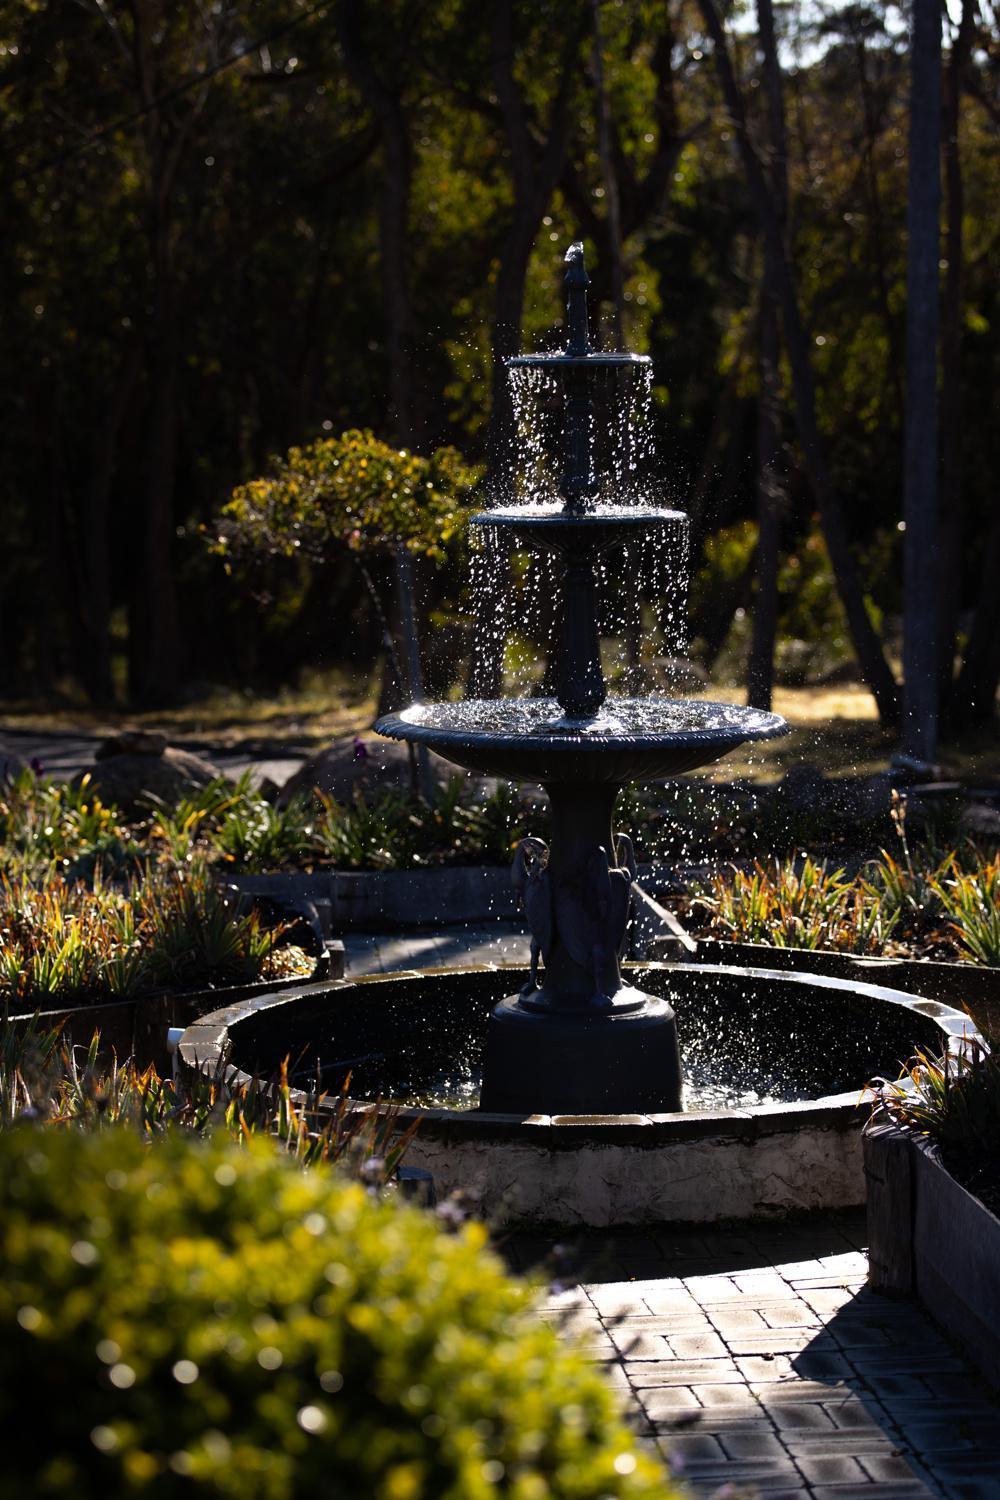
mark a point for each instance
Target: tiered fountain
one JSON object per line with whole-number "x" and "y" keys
{"x": 580, "y": 1117}
{"x": 577, "y": 1038}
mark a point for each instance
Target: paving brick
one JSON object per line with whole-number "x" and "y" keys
{"x": 694, "y": 1447}
{"x": 799, "y": 1414}
{"x": 778, "y": 1341}
{"x": 841, "y": 1470}
{"x": 892, "y": 1489}
{"x": 712, "y": 1289}
{"x": 886, "y": 1385}
{"x": 669, "y": 1403}
{"x": 853, "y": 1285}
{"x": 772, "y": 1286}
{"x": 852, "y": 1263}
{"x": 764, "y": 1367}
{"x": 955, "y": 1468}
{"x": 767, "y": 1476}
{"x": 665, "y": 1324}
{"x": 698, "y": 1346}
{"x": 840, "y": 1442}
{"x": 661, "y": 1298}
{"x": 621, "y": 1296}
{"x": 826, "y": 1300}
{"x": 753, "y": 1445}
{"x": 638, "y": 1346}
{"x": 975, "y": 1487}
{"x": 682, "y": 1372}
{"x": 796, "y": 1270}
{"x": 790, "y": 1314}
{"x": 857, "y": 1412}
{"x": 813, "y": 1365}
{"x": 803, "y": 1390}
{"x": 882, "y": 1466}
{"x": 732, "y": 1319}
{"x": 720, "y": 1395}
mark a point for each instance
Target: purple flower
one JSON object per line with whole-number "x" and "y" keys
{"x": 360, "y": 749}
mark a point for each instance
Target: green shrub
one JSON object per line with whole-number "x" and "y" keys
{"x": 198, "y": 1320}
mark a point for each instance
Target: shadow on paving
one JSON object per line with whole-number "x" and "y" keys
{"x": 916, "y": 1387}
{"x": 753, "y": 1355}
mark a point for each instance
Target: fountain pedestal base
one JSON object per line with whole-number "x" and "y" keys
{"x": 622, "y": 1060}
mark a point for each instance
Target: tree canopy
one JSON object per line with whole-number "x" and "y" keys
{"x": 235, "y": 230}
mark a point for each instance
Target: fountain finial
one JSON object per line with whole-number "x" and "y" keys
{"x": 576, "y": 282}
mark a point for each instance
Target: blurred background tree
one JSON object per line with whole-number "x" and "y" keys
{"x": 239, "y": 227}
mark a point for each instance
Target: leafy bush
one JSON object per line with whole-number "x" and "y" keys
{"x": 46, "y": 825}
{"x": 350, "y": 491}
{"x": 196, "y": 1319}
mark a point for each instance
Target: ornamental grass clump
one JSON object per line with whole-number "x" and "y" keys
{"x": 954, "y": 1100}
{"x": 198, "y": 1319}
{"x": 46, "y": 1080}
{"x": 798, "y": 904}
{"x": 65, "y": 943}
{"x": 44, "y": 823}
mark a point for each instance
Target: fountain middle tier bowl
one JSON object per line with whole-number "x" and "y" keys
{"x": 551, "y": 527}
{"x": 532, "y": 739}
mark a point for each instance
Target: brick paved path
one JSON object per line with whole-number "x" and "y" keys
{"x": 755, "y": 1356}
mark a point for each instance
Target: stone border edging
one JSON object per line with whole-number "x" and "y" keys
{"x": 930, "y": 1237}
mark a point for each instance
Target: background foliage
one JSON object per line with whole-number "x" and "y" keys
{"x": 238, "y": 228}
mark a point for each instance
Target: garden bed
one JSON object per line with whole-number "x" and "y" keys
{"x": 932, "y": 1238}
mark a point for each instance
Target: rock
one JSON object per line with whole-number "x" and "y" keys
{"x": 132, "y": 742}
{"x": 130, "y": 780}
{"x": 366, "y": 764}
{"x": 11, "y": 766}
{"x": 980, "y": 821}
{"x": 804, "y": 788}
{"x": 862, "y": 798}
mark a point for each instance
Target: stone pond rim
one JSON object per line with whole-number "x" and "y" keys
{"x": 600, "y": 1168}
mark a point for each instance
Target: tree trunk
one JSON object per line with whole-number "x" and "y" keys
{"x": 159, "y": 665}
{"x": 976, "y": 689}
{"x": 610, "y": 180}
{"x": 921, "y": 663}
{"x": 760, "y": 663}
{"x": 770, "y": 494}
{"x": 383, "y": 97}
{"x": 952, "y": 508}
{"x": 96, "y": 573}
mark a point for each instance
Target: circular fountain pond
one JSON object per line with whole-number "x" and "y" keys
{"x": 775, "y": 1065}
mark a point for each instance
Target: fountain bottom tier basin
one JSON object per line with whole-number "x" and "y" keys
{"x": 774, "y": 1067}
{"x": 623, "y": 1058}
